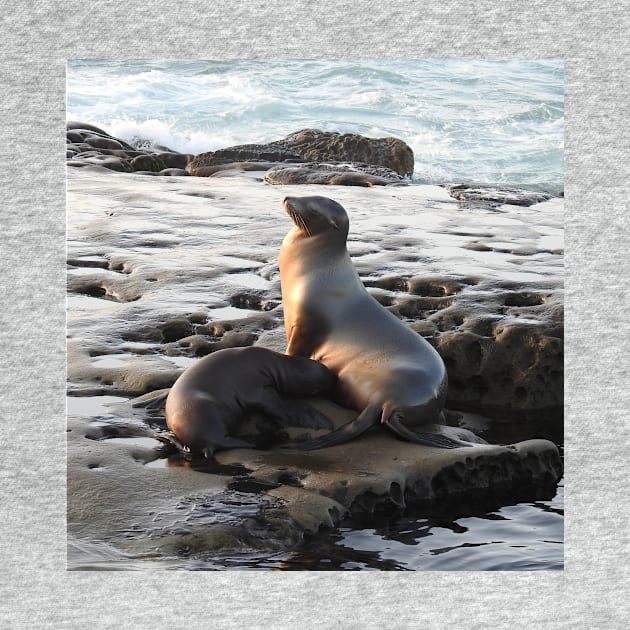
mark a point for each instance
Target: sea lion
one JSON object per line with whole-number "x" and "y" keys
{"x": 212, "y": 398}
{"x": 384, "y": 369}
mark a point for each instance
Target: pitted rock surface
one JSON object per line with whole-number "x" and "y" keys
{"x": 485, "y": 288}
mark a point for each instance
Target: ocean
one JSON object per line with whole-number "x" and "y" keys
{"x": 467, "y": 121}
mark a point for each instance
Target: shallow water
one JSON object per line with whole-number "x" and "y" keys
{"x": 526, "y": 536}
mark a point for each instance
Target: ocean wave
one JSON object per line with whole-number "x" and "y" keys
{"x": 467, "y": 120}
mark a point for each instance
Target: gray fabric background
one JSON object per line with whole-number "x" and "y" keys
{"x": 37, "y": 38}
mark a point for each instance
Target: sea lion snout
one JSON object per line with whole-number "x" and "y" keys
{"x": 315, "y": 215}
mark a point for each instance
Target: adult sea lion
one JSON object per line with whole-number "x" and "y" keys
{"x": 212, "y": 398}
{"x": 384, "y": 369}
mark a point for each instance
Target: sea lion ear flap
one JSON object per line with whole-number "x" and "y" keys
{"x": 333, "y": 224}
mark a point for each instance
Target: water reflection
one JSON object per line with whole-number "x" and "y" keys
{"x": 526, "y": 536}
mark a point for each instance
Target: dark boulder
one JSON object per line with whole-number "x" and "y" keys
{"x": 313, "y": 145}
{"x": 87, "y": 144}
{"x": 147, "y": 163}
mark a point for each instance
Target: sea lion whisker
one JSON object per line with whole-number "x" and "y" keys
{"x": 299, "y": 220}
{"x": 305, "y": 227}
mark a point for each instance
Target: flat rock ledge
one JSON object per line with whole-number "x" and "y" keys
{"x": 378, "y": 476}
{"x": 250, "y": 500}
{"x": 496, "y": 318}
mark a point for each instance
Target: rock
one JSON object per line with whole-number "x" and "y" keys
{"x": 100, "y": 142}
{"x": 312, "y": 145}
{"x": 331, "y": 146}
{"x": 174, "y": 172}
{"x": 516, "y": 373}
{"x": 496, "y": 194}
{"x": 249, "y": 500}
{"x": 307, "y": 156}
{"x": 95, "y": 146}
{"x": 502, "y": 342}
{"x": 95, "y": 137}
{"x": 334, "y": 174}
{"x": 258, "y": 157}
{"x": 107, "y": 161}
{"x": 231, "y": 167}
{"x": 174, "y": 160}
{"x": 74, "y": 137}
{"x": 147, "y": 163}
{"x": 73, "y": 124}
{"x": 379, "y": 475}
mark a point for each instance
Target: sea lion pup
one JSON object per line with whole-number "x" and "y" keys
{"x": 211, "y": 400}
{"x": 384, "y": 369}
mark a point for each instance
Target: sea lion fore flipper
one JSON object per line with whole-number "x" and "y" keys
{"x": 226, "y": 442}
{"x": 291, "y": 413}
{"x": 296, "y": 346}
{"x": 369, "y": 417}
{"x": 299, "y": 414}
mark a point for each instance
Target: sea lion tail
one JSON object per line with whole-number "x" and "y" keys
{"x": 369, "y": 417}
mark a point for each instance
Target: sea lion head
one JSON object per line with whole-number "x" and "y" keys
{"x": 317, "y": 215}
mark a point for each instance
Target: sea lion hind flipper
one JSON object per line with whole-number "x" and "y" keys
{"x": 368, "y": 418}
{"x": 427, "y": 439}
{"x": 152, "y": 400}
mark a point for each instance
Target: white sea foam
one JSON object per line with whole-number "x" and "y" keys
{"x": 165, "y": 133}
